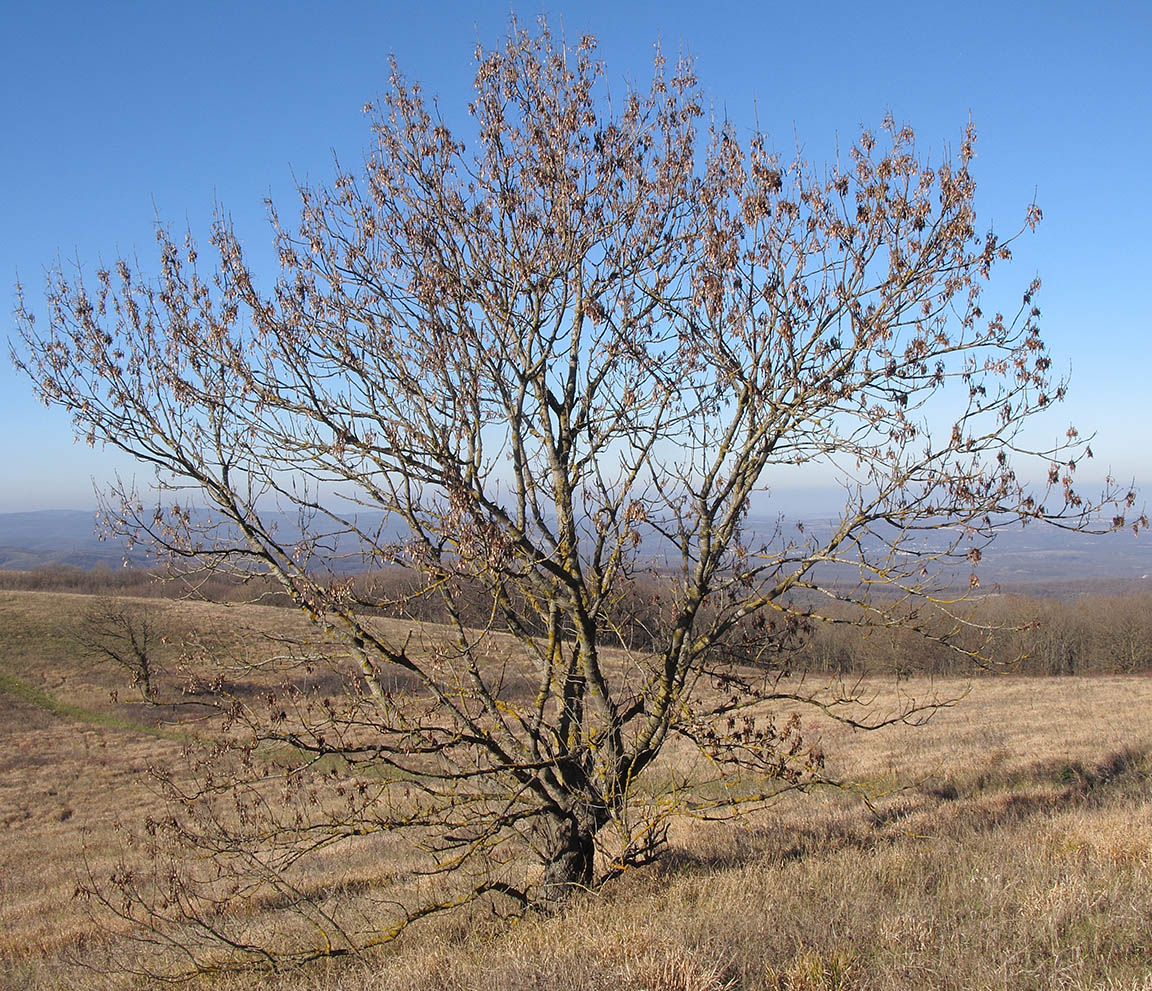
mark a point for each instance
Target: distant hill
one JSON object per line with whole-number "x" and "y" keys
{"x": 1034, "y": 555}
{"x": 54, "y": 537}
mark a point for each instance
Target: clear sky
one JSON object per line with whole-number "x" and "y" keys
{"x": 115, "y": 113}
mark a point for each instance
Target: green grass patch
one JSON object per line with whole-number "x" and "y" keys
{"x": 21, "y": 690}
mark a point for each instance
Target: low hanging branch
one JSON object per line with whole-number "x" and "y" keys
{"x": 532, "y": 372}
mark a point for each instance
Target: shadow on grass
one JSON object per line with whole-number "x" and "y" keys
{"x": 984, "y": 798}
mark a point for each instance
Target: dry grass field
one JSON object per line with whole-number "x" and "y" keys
{"x": 1006, "y": 844}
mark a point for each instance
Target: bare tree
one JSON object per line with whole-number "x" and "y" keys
{"x": 558, "y": 360}
{"x": 120, "y": 633}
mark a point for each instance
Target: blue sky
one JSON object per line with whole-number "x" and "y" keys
{"x": 115, "y": 113}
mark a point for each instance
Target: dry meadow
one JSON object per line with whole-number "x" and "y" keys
{"x": 1005, "y": 844}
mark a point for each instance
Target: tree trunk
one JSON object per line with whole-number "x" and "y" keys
{"x": 570, "y": 852}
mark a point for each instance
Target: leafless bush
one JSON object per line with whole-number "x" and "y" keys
{"x": 121, "y": 633}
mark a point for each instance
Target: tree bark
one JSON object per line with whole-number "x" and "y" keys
{"x": 570, "y": 852}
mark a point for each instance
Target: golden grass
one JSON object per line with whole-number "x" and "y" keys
{"x": 1006, "y": 844}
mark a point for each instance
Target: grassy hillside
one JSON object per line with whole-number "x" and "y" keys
{"x": 1006, "y": 844}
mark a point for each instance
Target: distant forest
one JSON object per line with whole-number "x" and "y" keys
{"x": 1093, "y": 626}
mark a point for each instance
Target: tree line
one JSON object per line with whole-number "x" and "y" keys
{"x": 1067, "y": 629}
